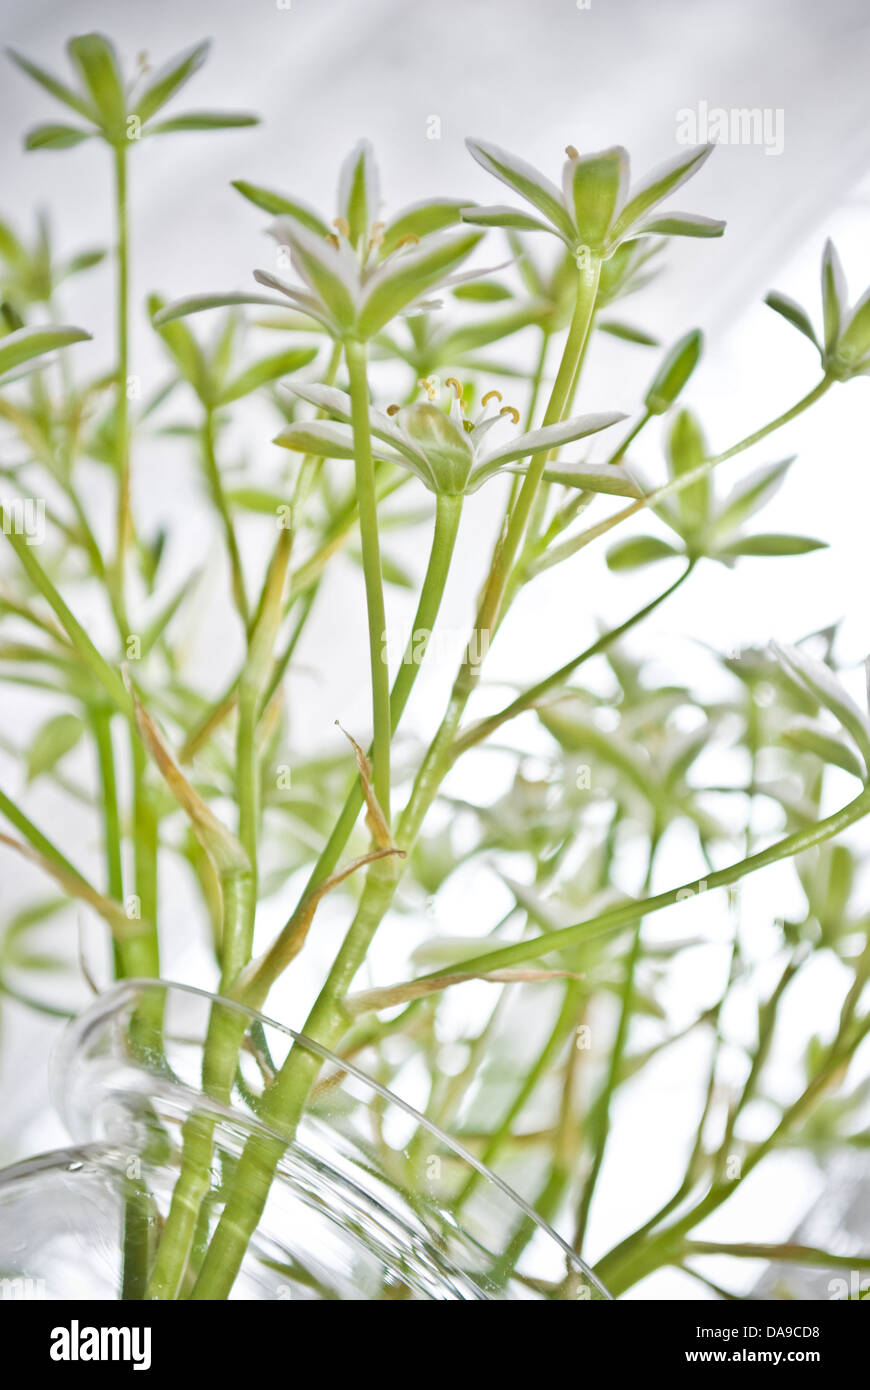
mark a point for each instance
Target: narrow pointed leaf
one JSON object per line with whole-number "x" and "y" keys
{"x": 772, "y": 543}
{"x": 52, "y": 741}
{"x": 278, "y": 206}
{"x": 792, "y": 312}
{"x": 197, "y": 303}
{"x": 750, "y": 495}
{"x": 53, "y": 85}
{"x": 170, "y": 78}
{"x": 55, "y": 137}
{"x": 829, "y": 746}
{"x": 266, "y": 370}
{"x": 674, "y": 372}
{"x": 686, "y": 451}
{"x": 421, "y": 219}
{"x": 818, "y": 678}
{"x": 204, "y": 120}
{"x": 97, "y": 62}
{"x": 638, "y": 551}
{"x": 27, "y": 343}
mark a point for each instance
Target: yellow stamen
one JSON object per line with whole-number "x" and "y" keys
{"x": 392, "y": 410}
{"x": 377, "y": 235}
{"x": 457, "y": 386}
{"x": 571, "y": 152}
{"x": 491, "y": 396}
{"x": 512, "y": 411}
{"x": 409, "y": 239}
{"x": 343, "y": 226}
{"x": 428, "y": 386}
{"x": 333, "y": 240}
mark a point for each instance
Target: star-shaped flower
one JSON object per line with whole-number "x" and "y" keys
{"x": 844, "y": 348}
{"x": 595, "y": 210}
{"x": 449, "y": 453}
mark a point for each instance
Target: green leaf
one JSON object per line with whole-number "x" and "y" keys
{"x": 528, "y": 182}
{"x": 639, "y": 550}
{"x": 686, "y": 450}
{"x": 598, "y": 183}
{"x": 610, "y": 478}
{"x": 197, "y": 303}
{"x": 52, "y": 742}
{"x": 168, "y": 79}
{"x": 97, "y": 62}
{"x": 204, "y": 120}
{"x": 183, "y": 346}
{"x": 255, "y": 499}
{"x": 491, "y": 330}
{"x": 818, "y": 678}
{"x": 55, "y": 137}
{"x": 773, "y": 543}
{"x": 792, "y": 312}
{"x": 627, "y": 332}
{"x": 674, "y": 372}
{"x": 406, "y": 278}
{"x": 830, "y": 747}
{"x": 278, "y": 205}
{"x": 482, "y": 292}
{"x": 421, "y": 220}
{"x": 53, "y": 85}
{"x": 750, "y": 495}
{"x": 27, "y": 343}
{"x": 85, "y": 260}
{"x": 267, "y": 369}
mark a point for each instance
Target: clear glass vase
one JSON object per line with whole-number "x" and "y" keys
{"x": 359, "y": 1204}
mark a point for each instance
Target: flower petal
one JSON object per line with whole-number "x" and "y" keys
{"x": 359, "y": 193}
{"x": 657, "y": 185}
{"x": 421, "y": 219}
{"x": 322, "y": 266}
{"x": 551, "y": 436}
{"x": 500, "y": 215}
{"x": 679, "y": 224}
{"x": 595, "y": 186}
{"x": 524, "y": 179}
{"x": 405, "y": 278}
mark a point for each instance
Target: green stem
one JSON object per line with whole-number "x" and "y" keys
{"x": 111, "y": 820}
{"x": 694, "y": 475}
{"x": 604, "y": 1101}
{"x": 476, "y": 733}
{"x": 219, "y": 500}
{"x": 618, "y": 917}
{"x": 355, "y": 356}
{"x": 122, "y": 423}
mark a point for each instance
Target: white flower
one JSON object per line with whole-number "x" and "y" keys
{"x": 446, "y": 451}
